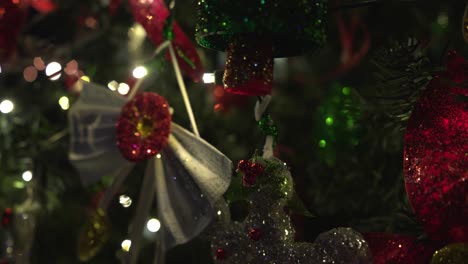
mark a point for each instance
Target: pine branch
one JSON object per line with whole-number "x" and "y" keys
{"x": 402, "y": 72}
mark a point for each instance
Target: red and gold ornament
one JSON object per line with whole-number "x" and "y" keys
{"x": 435, "y": 155}
{"x": 250, "y": 171}
{"x": 143, "y": 127}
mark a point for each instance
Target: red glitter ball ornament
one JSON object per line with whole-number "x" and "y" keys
{"x": 143, "y": 127}
{"x": 250, "y": 172}
{"x": 220, "y": 254}
{"x": 435, "y": 155}
{"x": 255, "y": 234}
{"x": 399, "y": 249}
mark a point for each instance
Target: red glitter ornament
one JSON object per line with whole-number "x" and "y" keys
{"x": 143, "y": 127}
{"x": 249, "y": 66}
{"x": 250, "y": 172}
{"x": 255, "y": 234}
{"x": 220, "y": 254}
{"x": 399, "y": 249}
{"x": 435, "y": 155}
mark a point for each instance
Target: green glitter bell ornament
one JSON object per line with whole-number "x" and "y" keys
{"x": 253, "y": 32}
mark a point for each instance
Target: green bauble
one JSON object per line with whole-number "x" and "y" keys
{"x": 292, "y": 26}
{"x": 451, "y": 254}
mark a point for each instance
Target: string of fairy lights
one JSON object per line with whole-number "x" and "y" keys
{"x": 54, "y": 71}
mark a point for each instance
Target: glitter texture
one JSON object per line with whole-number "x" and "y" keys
{"x": 451, "y": 254}
{"x": 143, "y": 127}
{"x": 249, "y": 66}
{"x": 435, "y": 160}
{"x": 399, "y": 249}
{"x": 267, "y": 235}
{"x": 94, "y": 235}
{"x": 250, "y": 172}
{"x": 294, "y": 26}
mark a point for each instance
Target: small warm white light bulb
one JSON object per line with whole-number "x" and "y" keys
{"x": 153, "y": 225}
{"x": 126, "y": 244}
{"x": 208, "y": 78}
{"x": 6, "y": 106}
{"x": 27, "y": 176}
{"x": 113, "y": 85}
{"x": 64, "y": 102}
{"x": 140, "y": 72}
{"x": 123, "y": 88}
{"x": 85, "y": 78}
{"x": 53, "y": 70}
{"x": 125, "y": 200}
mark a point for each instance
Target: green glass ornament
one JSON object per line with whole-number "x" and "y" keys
{"x": 451, "y": 254}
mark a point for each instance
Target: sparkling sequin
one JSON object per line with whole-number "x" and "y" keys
{"x": 143, "y": 127}
{"x": 249, "y": 66}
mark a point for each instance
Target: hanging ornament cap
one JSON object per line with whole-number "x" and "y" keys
{"x": 143, "y": 127}
{"x": 294, "y": 26}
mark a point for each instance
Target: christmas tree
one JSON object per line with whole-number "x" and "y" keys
{"x": 163, "y": 131}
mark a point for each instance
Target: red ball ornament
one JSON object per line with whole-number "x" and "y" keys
{"x": 220, "y": 254}
{"x": 255, "y": 234}
{"x": 435, "y": 155}
{"x": 250, "y": 172}
{"x": 143, "y": 127}
{"x": 399, "y": 249}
